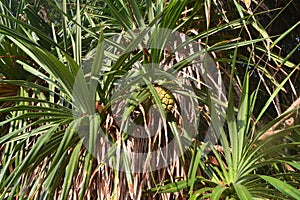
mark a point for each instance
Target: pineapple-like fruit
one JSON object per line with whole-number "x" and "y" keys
{"x": 166, "y": 97}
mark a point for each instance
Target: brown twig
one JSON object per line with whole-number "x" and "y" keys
{"x": 286, "y": 120}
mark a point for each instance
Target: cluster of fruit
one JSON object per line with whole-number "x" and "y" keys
{"x": 166, "y": 97}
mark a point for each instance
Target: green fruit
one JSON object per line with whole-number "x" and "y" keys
{"x": 166, "y": 98}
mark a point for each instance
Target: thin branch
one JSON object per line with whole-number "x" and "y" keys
{"x": 288, "y": 120}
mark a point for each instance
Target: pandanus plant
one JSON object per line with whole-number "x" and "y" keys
{"x": 108, "y": 69}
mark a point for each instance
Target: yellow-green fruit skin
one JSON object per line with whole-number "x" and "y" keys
{"x": 166, "y": 97}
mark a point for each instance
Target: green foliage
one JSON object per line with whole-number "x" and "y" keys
{"x": 49, "y": 103}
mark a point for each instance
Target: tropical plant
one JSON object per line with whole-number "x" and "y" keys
{"x": 246, "y": 165}
{"x": 77, "y": 79}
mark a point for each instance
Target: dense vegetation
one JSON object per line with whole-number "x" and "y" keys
{"x": 88, "y": 86}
